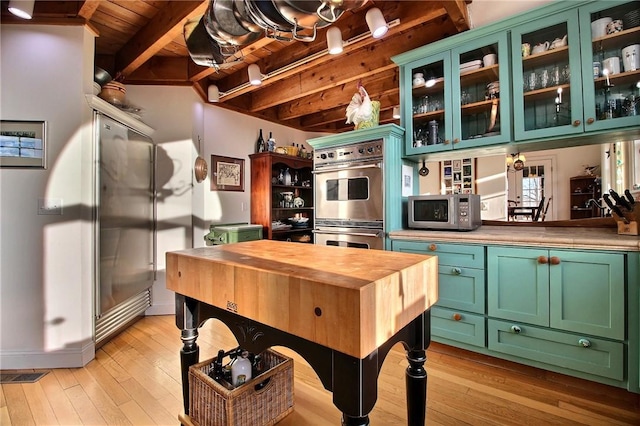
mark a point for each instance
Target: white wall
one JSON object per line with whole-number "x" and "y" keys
{"x": 45, "y": 270}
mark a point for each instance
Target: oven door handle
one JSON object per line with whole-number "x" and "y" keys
{"x": 347, "y": 167}
{"x": 379, "y": 234}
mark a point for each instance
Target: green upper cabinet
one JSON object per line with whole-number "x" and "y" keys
{"x": 547, "y": 80}
{"x": 610, "y": 102}
{"x": 458, "y": 98}
{"x": 548, "y": 94}
{"x": 555, "y": 88}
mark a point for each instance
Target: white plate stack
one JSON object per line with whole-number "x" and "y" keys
{"x": 470, "y": 66}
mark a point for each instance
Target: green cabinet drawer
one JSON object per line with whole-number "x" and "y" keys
{"x": 460, "y": 255}
{"x": 458, "y": 326}
{"x": 461, "y": 288}
{"x": 571, "y": 351}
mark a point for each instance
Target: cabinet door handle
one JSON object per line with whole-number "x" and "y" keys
{"x": 456, "y": 270}
{"x": 576, "y": 123}
{"x": 433, "y": 247}
{"x": 590, "y": 120}
{"x": 584, "y": 343}
{"x": 456, "y": 140}
{"x": 447, "y": 141}
{"x": 555, "y": 260}
{"x": 516, "y": 329}
{"x": 456, "y": 317}
{"x": 542, "y": 260}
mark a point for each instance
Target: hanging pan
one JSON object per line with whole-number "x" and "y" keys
{"x": 221, "y": 22}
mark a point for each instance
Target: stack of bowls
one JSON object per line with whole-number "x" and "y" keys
{"x": 114, "y": 93}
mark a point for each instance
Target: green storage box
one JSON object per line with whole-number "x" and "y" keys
{"x": 232, "y": 233}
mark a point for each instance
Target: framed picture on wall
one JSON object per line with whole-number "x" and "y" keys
{"x": 227, "y": 174}
{"x": 23, "y": 144}
{"x": 458, "y": 176}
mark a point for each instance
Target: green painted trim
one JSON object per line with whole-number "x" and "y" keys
{"x": 355, "y": 136}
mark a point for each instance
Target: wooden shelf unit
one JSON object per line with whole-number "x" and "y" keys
{"x": 266, "y": 207}
{"x": 582, "y": 189}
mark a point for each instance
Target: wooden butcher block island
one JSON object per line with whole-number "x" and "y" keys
{"x": 341, "y": 308}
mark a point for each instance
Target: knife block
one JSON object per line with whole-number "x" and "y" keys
{"x": 630, "y": 226}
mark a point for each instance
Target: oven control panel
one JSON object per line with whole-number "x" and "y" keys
{"x": 361, "y": 151}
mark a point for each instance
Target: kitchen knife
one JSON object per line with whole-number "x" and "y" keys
{"x": 619, "y": 200}
{"x": 614, "y": 208}
{"x": 627, "y": 193}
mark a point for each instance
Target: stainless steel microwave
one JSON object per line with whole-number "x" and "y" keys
{"x": 459, "y": 212}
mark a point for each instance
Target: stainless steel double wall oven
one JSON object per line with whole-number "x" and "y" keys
{"x": 349, "y": 195}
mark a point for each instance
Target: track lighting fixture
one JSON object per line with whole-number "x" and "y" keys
{"x": 22, "y": 8}
{"x": 213, "y": 93}
{"x": 376, "y": 22}
{"x": 255, "y": 76}
{"x": 334, "y": 41}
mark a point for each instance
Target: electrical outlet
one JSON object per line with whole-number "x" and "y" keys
{"x": 50, "y": 206}
{"x": 483, "y": 206}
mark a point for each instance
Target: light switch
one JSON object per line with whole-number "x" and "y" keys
{"x": 50, "y": 206}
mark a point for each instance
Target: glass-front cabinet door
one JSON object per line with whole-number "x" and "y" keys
{"x": 459, "y": 98}
{"x": 547, "y": 77}
{"x": 481, "y": 92}
{"x": 428, "y": 115}
{"x": 611, "y": 64}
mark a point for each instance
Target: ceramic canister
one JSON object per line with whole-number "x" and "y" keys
{"x": 612, "y": 64}
{"x": 631, "y": 57}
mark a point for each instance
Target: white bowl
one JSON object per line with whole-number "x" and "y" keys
{"x": 599, "y": 27}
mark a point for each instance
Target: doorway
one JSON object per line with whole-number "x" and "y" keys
{"x": 531, "y": 188}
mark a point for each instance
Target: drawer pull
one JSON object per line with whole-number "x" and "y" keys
{"x": 457, "y": 317}
{"x": 516, "y": 329}
{"x": 555, "y": 260}
{"x": 585, "y": 343}
{"x": 542, "y": 260}
{"x": 432, "y": 247}
{"x": 456, "y": 271}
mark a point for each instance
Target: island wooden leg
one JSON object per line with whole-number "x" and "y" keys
{"x": 416, "y": 379}
{"x": 187, "y": 311}
{"x": 189, "y": 355}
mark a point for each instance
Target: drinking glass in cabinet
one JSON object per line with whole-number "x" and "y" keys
{"x": 546, "y": 78}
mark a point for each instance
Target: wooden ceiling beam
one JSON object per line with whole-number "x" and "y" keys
{"x": 340, "y": 96}
{"x": 358, "y": 65}
{"x": 162, "y": 29}
{"x": 88, "y": 8}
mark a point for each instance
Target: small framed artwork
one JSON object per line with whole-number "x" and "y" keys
{"x": 227, "y": 174}
{"x": 459, "y": 176}
{"x": 23, "y": 144}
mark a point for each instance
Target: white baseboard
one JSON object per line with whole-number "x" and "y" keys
{"x": 161, "y": 309}
{"x": 64, "y": 358}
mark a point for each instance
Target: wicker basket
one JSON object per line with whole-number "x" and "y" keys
{"x": 264, "y": 400}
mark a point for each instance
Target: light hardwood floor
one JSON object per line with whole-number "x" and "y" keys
{"x": 135, "y": 379}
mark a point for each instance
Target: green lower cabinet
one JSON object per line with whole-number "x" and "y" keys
{"x": 569, "y": 351}
{"x": 567, "y": 290}
{"x": 452, "y": 326}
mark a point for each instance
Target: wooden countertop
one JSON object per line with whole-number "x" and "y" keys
{"x": 348, "y": 299}
{"x": 569, "y": 237}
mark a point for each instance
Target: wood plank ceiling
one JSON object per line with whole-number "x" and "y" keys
{"x": 142, "y": 42}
